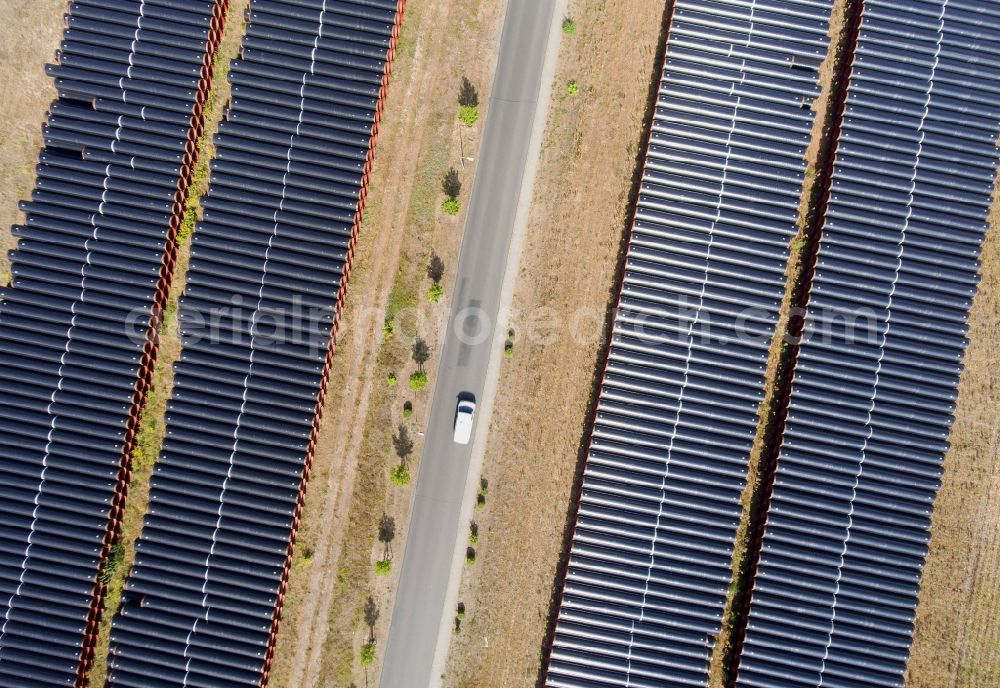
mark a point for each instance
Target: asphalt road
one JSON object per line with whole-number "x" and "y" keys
{"x": 408, "y": 660}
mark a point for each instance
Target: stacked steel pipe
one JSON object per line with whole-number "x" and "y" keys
{"x": 78, "y": 327}
{"x": 876, "y": 377}
{"x": 649, "y": 565}
{"x": 268, "y": 275}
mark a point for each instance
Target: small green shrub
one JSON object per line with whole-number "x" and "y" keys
{"x": 115, "y": 559}
{"x": 569, "y": 26}
{"x": 367, "y": 654}
{"x": 460, "y": 611}
{"x": 470, "y": 556}
{"x": 407, "y": 409}
{"x": 387, "y": 328}
{"x": 400, "y": 475}
{"x": 468, "y": 115}
{"x": 391, "y": 379}
{"x": 451, "y": 206}
{"x": 418, "y": 380}
{"x": 473, "y": 539}
{"x": 383, "y": 567}
{"x": 508, "y": 349}
{"x": 168, "y": 322}
{"x": 435, "y": 293}
{"x": 186, "y": 229}
{"x": 572, "y": 88}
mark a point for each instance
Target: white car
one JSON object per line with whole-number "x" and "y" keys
{"x": 464, "y": 414}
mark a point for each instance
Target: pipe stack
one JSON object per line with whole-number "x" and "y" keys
{"x": 265, "y": 292}
{"x": 78, "y": 324}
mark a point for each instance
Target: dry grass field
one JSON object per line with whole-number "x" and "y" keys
{"x": 957, "y": 639}
{"x": 31, "y": 33}
{"x": 576, "y": 225}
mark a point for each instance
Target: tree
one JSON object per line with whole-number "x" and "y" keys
{"x": 435, "y": 268}
{"x": 435, "y": 293}
{"x": 468, "y": 96}
{"x": 367, "y": 658}
{"x": 451, "y": 184}
{"x": 402, "y": 442}
{"x": 418, "y": 380}
{"x": 371, "y": 617}
{"x": 484, "y": 489}
{"x": 400, "y": 475}
{"x": 421, "y": 352}
{"x": 468, "y": 115}
{"x": 386, "y": 533}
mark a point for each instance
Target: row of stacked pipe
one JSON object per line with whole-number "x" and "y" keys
{"x": 835, "y": 565}
{"x": 78, "y": 322}
{"x": 269, "y": 268}
{"x": 650, "y": 562}
{"x": 876, "y": 378}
